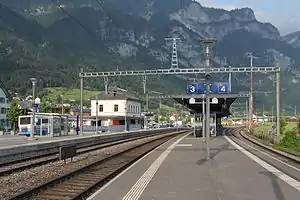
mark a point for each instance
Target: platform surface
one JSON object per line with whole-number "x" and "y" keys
{"x": 186, "y": 175}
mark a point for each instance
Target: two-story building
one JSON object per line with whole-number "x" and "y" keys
{"x": 5, "y": 99}
{"x": 117, "y": 108}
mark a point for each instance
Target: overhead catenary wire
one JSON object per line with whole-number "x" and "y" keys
{"x": 73, "y": 18}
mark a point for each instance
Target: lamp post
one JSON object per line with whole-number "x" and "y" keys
{"x": 33, "y": 80}
{"x": 207, "y": 77}
{"x": 97, "y": 107}
{"x": 125, "y": 129}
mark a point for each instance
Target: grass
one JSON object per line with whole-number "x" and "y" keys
{"x": 288, "y": 140}
{"x": 69, "y": 95}
{"x": 266, "y": 127}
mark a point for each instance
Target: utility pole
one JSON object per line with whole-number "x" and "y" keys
{"x": 106, "y": 84}
{"x": 272, "y": 120}
{"x": 203, "y": 119}
{"x": 159, "y": 113}
{"x": 246, "y": 114}
{"x": 81, "y": 103}
{"x": 251, "y": 92}
{"x": 97, "y": 108}
{"x": 32, "y": 131}
{"x": 229, "y": 79}
{"x": 263, "y": 113}
{"x": 207, "y": 118}
{"x": 278, "y": 101}
{"x": 295, "y": 110}
{"x": 125, "y": 115}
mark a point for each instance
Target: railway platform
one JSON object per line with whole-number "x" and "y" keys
{"x": 15, "y": 140}
{"x": 178, "y": 170}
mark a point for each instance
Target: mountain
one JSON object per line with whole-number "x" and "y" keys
{"x": 293, "y": 39}
{"x": 39, "y": 39}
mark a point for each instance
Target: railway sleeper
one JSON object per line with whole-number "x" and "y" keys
{"x": 52, "y": 197}
{"x": 63, "y": 193}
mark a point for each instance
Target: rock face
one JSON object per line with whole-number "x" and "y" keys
{"x": 134, "y": 32}
{"x": 293, "y": 39}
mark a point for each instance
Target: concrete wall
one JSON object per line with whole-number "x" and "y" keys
{"x": 10, "y": 154}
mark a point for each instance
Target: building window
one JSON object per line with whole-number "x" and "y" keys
{"x": 2, "y": 110}
{"x": 2, "y": 100}
{"x": 116, "y": 108}
{"x": 101, "y": 108}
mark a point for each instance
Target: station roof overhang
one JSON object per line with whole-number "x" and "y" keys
{"x": 221, "y": 108}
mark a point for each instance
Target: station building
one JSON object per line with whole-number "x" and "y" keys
{"x": 115, "y": 108}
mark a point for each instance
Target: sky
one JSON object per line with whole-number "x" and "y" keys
{"x": 284, "y": 14}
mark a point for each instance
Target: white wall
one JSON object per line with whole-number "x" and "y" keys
{"x": 3, "y": 105}
{"x": 133, "y": 108}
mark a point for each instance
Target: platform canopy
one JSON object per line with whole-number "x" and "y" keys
{"x": 221, "y": 108}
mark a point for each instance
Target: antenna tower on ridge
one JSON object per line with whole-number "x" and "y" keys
{"x": 174, "y": 62}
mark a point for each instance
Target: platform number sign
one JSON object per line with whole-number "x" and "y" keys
{"x": 223, "y": 88}
{"x": 214, "y": 88}
{"x": 192, "y": 88}
{"x": 201, "y": 88}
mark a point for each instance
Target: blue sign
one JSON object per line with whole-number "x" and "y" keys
{"x": 37, "y": 108}
{"x": 201, "y": 88}
{"x": 192, "y": 88}
{"x": 214, "y": 88}
{"x": 223, "y": 88}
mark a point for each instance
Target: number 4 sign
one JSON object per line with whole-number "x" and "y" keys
{"x": 223, "y": 88}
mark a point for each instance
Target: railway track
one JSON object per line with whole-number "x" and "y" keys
{"x": 31, "y": 163}
{"x": 81, "y": 182}
{"x": 286, "y": 157}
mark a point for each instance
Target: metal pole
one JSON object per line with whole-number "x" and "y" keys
{"x": 106, "y": 84}
{"x": 176, "y": 120}
{"x": 125, "y": 116}
{"x": 246, "y": 114}
{"x": 229, "y": 78}
{"x": 147, "y": 102}
{"x": 295, "y": 111}
{"x": 159, "y": 110}
{"x": 62, "y": 104}
{"x": 272, "y": 120}
{"x": 263, "y": 112}
{"x": 33, "y": 108}
{"x": 278, "y": 101}
{"x": 97, "y": 108}
{"x": 207, "y": 122}
{"x": 194, "y": 124}
{"x": 81, "y": 103}
{"x": 144, "y": 83}
{"x": 203, "y": 119}
{"x": 251, "y": 92}
{"x": 146, "y": 106}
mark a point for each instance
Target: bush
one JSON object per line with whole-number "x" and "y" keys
{"x": 290, "y": 140}
{"x": 283, "y": 123}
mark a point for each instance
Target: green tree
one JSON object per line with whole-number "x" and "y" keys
{"x": 283, "y": 123}
{"x": 45, "y": 108}
{"x": 14, "y": 112}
